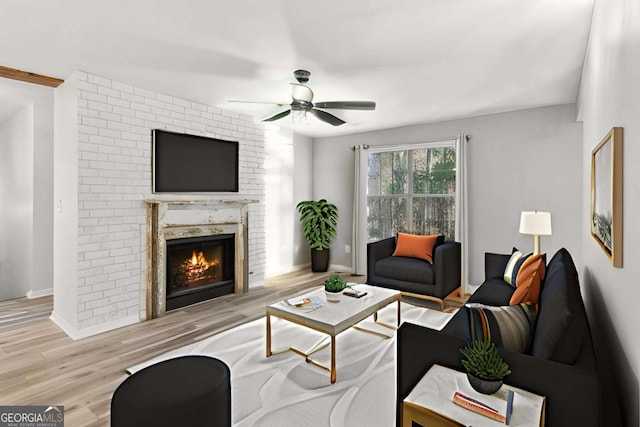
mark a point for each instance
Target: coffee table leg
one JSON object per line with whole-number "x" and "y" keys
{"x": 398, "y": 316}
{"x": 268, "y": 335}
{"x": 333, "y": 359}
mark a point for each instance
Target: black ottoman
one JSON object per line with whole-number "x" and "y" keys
{"x": 189, "y": 391}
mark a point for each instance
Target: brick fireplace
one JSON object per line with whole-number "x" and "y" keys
{"x": 103, "y": 193}
{"x": 171, "y": 221}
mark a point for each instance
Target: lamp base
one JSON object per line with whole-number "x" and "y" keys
{"x": 536, "y": 244}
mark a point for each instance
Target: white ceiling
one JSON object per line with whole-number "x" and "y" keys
{"x": 420, "y": 60}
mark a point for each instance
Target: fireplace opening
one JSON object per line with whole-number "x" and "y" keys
{"x": 199, "y": 269}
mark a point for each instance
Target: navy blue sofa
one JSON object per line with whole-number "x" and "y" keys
{"x": 561, "y": 364}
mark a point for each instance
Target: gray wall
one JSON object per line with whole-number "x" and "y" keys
{"x": 523, "y": 160}
{"x": 610, "y": 96}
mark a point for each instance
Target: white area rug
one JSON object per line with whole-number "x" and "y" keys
{"x": 283, "y": 390}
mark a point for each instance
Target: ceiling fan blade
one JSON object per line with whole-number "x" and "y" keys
{"x": 327, "y": 117}
{"x": 277, "y": 116}
{"x": 347, "y": 105}
{"x": 280, "y": 104}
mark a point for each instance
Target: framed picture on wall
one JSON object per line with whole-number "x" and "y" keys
{"x": 606, "y": 195}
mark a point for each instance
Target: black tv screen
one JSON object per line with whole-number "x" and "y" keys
{"x": 193, "y": 164}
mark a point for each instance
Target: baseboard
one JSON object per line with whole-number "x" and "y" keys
{"x": 288, "y": 270}
{"x": 77, "y": 334}
{"x": 332, "y": 267}
{"x": 339, "y": 268}
{"x": 39, "y": 293}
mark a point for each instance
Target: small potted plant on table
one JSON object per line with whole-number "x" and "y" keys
{"x": 333, "y": 286}
{"x": 485, "y": 367}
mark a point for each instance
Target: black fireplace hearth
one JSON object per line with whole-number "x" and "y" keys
{"x": 199, "y": 269}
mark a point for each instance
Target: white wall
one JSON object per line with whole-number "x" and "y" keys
{"x": 610, "y": 96}
{"x": 288, "y": 163}
{"x": 65, "y": 195}
{"x": 279, "y": 213}
{"x": 522, "y": 160}
{"x": 302, "y": 190}
{"x": 38, "y": 164}
{"x": 16, "y": 204}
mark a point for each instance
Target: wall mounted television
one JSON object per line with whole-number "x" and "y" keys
{"x": 183, "y": 163}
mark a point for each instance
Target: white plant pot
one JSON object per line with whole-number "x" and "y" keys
{"x": 333, "y": 296}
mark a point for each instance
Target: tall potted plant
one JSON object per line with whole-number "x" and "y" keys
{"x": 319, "y": 220}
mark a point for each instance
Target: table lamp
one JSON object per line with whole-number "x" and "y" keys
{"x": 537, "y": 224}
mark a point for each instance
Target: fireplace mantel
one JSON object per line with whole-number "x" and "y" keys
{"x": 180, "y": 211}
{"x": 174, "y": 217}
{"x": 195, "y": 199}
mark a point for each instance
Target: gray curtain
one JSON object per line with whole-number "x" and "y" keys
{"x": 462, "y": 214}
{"x": 359, "y": 239}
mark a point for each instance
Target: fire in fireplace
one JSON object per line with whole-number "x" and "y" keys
{"x": 196, "y": 270}
{"x": 199, "y": 268}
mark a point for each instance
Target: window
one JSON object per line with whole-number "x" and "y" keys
{"x": 412, "y": 190}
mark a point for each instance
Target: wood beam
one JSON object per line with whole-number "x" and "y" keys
{"x": 25, "y": 76}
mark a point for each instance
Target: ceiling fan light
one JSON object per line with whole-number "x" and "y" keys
{"x": 301, "y": 92}
{"x": 299, "y": 116}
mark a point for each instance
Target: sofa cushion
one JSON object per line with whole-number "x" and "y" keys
{"x": 415, "y": 246}
{"x": 439, "y": 241}
{"x": 528, "y": 281}
{"x": 494, "y": 265}
{"x": 554, "y": 338}
{"x": 508, "y": 326}
{"x": 493, "y": 292}
{"x": 405, "y": 269}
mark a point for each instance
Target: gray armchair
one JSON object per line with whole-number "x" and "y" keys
{"x": 412, "y": 276}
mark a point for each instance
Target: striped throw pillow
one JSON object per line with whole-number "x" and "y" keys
{"x": 513, "y": 266}
{"x": 509, "y": 326}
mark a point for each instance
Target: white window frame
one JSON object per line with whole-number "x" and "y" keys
{"x": 450, "y": 142}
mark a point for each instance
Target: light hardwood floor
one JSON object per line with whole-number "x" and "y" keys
{"x": 41, "y": 365}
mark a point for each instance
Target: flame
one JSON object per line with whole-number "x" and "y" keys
{"x": 197, "y": 268}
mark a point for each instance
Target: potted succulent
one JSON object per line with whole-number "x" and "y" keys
{"x": 319, "y": 220}
{"x": 485, "y": 367}
{"x": 333, "y": 286}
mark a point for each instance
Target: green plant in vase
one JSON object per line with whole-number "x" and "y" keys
{"x": 333, "y": 286}
{"x": 319, "y": 221}
{"x": 485, "y": 367}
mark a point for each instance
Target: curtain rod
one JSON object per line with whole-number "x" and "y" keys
{"x": 447, "y": 138}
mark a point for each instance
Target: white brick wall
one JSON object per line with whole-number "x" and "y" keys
{"x": 114, "y": 162}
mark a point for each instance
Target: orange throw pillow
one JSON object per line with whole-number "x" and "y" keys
{"x": 528, "y": 281}
{"x": 414, "y": 246}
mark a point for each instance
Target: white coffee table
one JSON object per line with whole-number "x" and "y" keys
{"x": 334, "y": 318}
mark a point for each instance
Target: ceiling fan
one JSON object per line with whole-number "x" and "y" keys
{"x": 302, "y": 103}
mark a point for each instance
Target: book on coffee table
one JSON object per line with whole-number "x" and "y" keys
{"x": 305, "y": 303}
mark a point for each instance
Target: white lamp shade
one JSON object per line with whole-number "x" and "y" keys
{"x": 535, "y": 223}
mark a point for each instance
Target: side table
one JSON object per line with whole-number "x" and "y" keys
{"x": 430, "y": 404}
